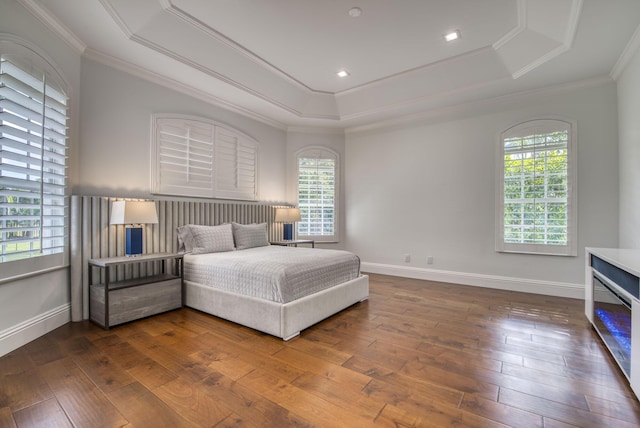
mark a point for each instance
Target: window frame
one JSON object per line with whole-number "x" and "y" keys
{"x": 320, "y": 152}
{"x": 28, "y": 58}
{"x": 543, "y": 125}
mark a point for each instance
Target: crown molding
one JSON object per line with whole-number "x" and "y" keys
{"x": 191, "y": 20}
{"x": 383, "y": 80}
{"x": 481, "y": 105}
{"x": 632, "y": 47}
{"x": 569, "y": 37}
{"x": 116, "y": 18}
{"x": 315, "y": 130}
{"x": 519, "y": 28}
{"x": 51, "y": 22}
{"x": 158, "y": 79}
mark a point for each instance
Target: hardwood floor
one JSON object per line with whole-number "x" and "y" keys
{"x": 418, "y": 353}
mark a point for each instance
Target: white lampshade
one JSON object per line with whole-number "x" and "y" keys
{"x": 287, "y": 215}
{"x": 133, "y": 212}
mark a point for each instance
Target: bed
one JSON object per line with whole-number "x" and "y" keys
{"x": 232, "y": 272}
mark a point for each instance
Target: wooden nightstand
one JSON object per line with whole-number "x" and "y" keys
{"x": 295, "y": 242}
{"x": 117, "y": 302}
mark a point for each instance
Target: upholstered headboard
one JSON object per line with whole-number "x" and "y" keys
{"x": 93, "y": 237}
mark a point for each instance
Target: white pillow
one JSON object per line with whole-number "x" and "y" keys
{"x": 250, "y": 235}
{"x": 198, "y": 239}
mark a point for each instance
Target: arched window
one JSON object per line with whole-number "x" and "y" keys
{"x": 318, "y": 194}
{"x": 33, "y": 155}
{"x": 537, "y": 188}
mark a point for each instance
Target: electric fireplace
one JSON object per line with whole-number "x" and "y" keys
{"x": 612, "y": 304}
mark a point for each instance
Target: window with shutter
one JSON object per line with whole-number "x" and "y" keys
{"x": 33, "y": 158}
{"x": 201, "y": 158}
{"x": 317, "y": 194}
{"x": 537, "y": 195}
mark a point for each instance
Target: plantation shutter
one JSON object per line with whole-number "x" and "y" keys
{"x": 317, "y": 194}
{"x": 203, "y": 159}
{"x": 538, "y": 212}
{"x": 184, "y": 158}
{"x": 33, "y": 144}
{"x": 236, "y": 165}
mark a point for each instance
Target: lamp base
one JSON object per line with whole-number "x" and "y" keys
{"x": 288, "y": 231}
{"x": 134, "y": 241}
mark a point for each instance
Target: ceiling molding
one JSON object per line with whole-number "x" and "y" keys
{"x": 480, "y": 105}
{"x": 148, "y": 40}
{"x": 538, "y": 62}
{"x": 242, "y": 61}
{"x": 210, "y": 72}
{"x": 378, "y": 82}
{"x": 191, "y": 20}
{"x": 172, "y": 84}
{"x": 315, "y": 130}
{"x": 51, "y": 22}
{"x": 627, "y": 55}
{"x": 574, "y": 21}
{"x": 524, "y": 27}
{"x": 519, "y": 28}
{"x": 116, "y": 18}
{"x": 572, "y": 27}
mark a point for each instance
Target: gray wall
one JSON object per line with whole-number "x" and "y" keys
{"x": 428, "y": 188}
{"x": 629, "y": 147}
{"x": 116, "y": 128}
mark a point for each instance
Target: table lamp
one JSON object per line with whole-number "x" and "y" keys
{"x": 133, "y": 214}
{"x": 288, "y": 216}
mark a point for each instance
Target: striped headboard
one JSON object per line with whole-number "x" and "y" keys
{"x": 93, "y": 237}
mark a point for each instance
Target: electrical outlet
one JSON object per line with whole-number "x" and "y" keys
{"x": 429, "y": 260}
{"x": 407, "y": 258}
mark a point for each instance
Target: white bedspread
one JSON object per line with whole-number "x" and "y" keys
{"x": 279, "y": 274}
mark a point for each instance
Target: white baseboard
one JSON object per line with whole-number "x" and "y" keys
{"x": 549, "y": 288}
{"x": 23, "y": 333}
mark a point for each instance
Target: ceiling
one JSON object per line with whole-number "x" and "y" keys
{"x": 276, "y": 60}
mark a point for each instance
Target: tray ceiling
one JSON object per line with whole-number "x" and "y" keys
{"x": 277, "y": 60}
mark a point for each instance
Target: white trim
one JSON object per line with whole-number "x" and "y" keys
{"x": 315, "y": 130}
{"x": 519, "y": 28}
{"x": 167, "y": 82}
{"x": 31, "y": 329}
{"x": 627, "y": 54}
{"x": 54, "y": 24}
{"x": 473, "y": 106}
{"x": 523, "y": 285}
{"x": 4, "y": 280}
{"x": 200, "y": 25}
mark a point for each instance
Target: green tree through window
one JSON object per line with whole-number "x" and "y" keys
{"x": 536, "y": 198}
{"x": 33, "y": 160}
{"x": 317, "y": 194}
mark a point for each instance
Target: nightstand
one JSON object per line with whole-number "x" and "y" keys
{"x": 294, "y": 242}
{"x": 116, "y": 302}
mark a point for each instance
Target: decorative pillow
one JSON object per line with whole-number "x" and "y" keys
{"x": 198, "y": 239}
{"x": 185, "y": 240}
{"x": 250, "y": 235}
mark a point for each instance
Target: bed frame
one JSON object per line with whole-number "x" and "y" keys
{"x": 92, "y": 236}
{"x": 284, "y": 320}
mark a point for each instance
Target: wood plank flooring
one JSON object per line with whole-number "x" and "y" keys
{"x": 417, "y": 354}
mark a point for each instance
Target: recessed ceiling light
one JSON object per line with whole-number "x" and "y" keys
{"x": 342, "y": 73}
{"x": 355, "y": 12}
{"x": 453, "y": 35}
